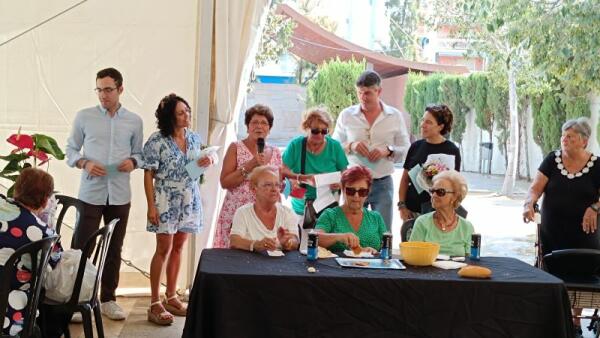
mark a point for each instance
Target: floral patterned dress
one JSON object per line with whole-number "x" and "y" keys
{"x": 238, "y": 196}
{"x": 18, "y": 227}
{"x": 176, "y": 194}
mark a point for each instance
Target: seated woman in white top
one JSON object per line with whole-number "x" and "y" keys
{"x": 264, "y": 224}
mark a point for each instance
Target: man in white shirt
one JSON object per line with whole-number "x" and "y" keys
{"x": 374, "y": 135}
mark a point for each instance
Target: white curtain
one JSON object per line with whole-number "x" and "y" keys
{"x": 236, "y": 30}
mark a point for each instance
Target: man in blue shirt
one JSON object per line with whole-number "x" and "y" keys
{"x": 106, "y": 143}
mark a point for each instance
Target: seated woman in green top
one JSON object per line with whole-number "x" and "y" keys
{"x": 323, "y": 154}
{"x": 444, "y": 226}
{"x": 351, "y": 225}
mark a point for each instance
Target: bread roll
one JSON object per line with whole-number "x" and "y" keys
{"x": 473, "y": 271}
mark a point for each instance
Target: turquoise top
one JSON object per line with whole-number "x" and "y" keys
{"x": 454, "y": 243}
{"x": 371, "y": 229}
{"x": 331, "y": 159}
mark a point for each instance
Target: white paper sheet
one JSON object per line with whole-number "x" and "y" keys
{"x": 327, "y": 179}
{"x": 447, "y": 160}
{"x": 275, "y": 253}
{"x": 324, "y": 198}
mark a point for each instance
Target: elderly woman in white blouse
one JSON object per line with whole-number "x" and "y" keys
{"x": 264, "y": 224}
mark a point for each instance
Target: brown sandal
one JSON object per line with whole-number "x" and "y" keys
{"x": 174, "y": 310}
{"x": 164, "y": 318}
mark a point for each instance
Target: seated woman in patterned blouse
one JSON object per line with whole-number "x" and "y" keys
{"x": 19, "y": 226}
{"x": 351, "y": 225}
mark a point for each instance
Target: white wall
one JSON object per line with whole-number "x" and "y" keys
{"x": 49, "y": 74}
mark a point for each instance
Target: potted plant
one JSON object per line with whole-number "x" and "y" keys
{"x": 31, "y": 151}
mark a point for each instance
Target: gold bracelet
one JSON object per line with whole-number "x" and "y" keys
{"x": 244, "y": 172}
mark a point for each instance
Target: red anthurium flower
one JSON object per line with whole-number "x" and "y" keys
{"x": 40, "y": 155}
{"x": 22, "y": 141}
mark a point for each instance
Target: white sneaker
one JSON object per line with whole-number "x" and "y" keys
{"x": 77, "y": 318}
{"x": 112, "y": 310}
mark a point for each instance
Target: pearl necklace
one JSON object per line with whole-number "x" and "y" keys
{"x": 561, "y": 167}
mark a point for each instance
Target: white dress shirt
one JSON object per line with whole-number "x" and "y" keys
{"x": 389, "y": 129}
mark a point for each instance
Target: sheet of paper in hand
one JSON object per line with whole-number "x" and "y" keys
{"x": 328, "y": 178}
{"x": 413, "y": 174}
{"x": 194, "y": 170}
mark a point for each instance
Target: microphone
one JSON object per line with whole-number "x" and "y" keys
{"x": 260, "y": 144}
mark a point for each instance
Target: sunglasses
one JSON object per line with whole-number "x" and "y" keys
{"x": 441, "y": 192}
{"x": 316, "y": 131}
{"x": 362, "y": 192}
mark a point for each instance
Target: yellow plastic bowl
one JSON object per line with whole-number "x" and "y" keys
{"x": 419, "y": 253}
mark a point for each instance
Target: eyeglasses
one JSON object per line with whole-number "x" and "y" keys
{"x": 269, "y": 185}
{"x": 441, "y": 192}
{"x": 107, "y": 90}
{"x": 362, "y": 192}
{"x": 316, "y": 131}
{"x": 259, "y": 123}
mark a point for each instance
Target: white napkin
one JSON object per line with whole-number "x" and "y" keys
{"x": 448, "y": 265}
{"x": 275, "y": 253}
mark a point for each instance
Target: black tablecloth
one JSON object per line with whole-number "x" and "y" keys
{"x": 243, "y": 294}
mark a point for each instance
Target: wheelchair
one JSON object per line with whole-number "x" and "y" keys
{"x": 580, "y": 271}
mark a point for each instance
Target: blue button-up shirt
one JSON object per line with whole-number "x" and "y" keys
{"x": 109, "y": 141}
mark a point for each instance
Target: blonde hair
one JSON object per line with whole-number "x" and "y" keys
{"x": 260, "y": 171}
{"x": 458, "y": 182}
{"x": 316, "y": 113}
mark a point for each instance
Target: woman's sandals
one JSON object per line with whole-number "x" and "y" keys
{"x": 162, "y": 318}
{"x": 182, "y": 311}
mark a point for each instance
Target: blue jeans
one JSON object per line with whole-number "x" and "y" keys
{"x": 381, "y": 199}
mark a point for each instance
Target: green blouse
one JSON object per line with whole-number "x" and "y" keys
{"x": 331, "y": 159}
{"x": 454, "y": 243}
{"x": 371, "y": 229}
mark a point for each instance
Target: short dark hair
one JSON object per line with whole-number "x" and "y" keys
{"x": 258, "y": 109}
{"x": 368, "y": 78}
{"x": 113, "y": 74}
{"x": 165, "y": 113}
{"x": 442, "y": 115}
{"x": 33, "y": 187}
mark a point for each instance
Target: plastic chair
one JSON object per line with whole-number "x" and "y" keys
{"x": 67, "y": 202}
{"x": 98, "y": 243}
{"x": 39, "y": 254}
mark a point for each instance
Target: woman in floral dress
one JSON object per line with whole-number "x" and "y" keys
{"x": 241, "y": 157}
{"x": 173, "y": 196}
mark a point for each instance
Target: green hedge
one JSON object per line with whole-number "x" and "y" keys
{"x": 333, "y": 87}
{"x": 487, "y": 95}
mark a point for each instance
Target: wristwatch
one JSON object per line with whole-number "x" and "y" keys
{"x": 391, "y": 150}
{"x": 401, "y": 205}
{"x": 595, "y": 207}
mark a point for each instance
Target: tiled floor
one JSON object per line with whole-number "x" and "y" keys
{"x": 136, "y": 324}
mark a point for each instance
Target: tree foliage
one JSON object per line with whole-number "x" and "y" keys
{"x": 333, "y": 86}
{"x": 404, "y": 19}
{"x": 450, "y": 95}
{"x": 564, "y": 43}
{"x": 276, "y": 37}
